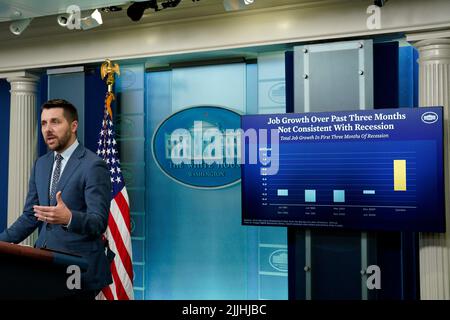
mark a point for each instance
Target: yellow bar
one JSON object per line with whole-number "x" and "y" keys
{"x": 399, "y": 175}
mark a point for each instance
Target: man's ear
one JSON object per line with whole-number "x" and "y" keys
{"x": 74, "y": 126}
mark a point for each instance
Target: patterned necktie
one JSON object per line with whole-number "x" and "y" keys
{"x": 56, "y": 175}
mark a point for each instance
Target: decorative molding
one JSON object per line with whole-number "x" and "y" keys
{"x": 210, "y": 29}
{"x": 434, "y": 90}
{"x": 434, "y": 35}
{"x": 18, "y": 75}
{"x": 23, "y": 86}
{"x": 22, "y": 144}
{"x": 65, "y": 70}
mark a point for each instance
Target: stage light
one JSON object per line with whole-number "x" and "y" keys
{"x": 94, "y": 20}
{"x": 136, "y": 10}
{"x": 379, "y": 3}
{"x": 62, "y": 20}
{"x": 111, "y": 9}
{"x": 232, "y": 5}
{"x": 170, "y": 4}
{"x": 19, "y": 26}
{"x": 71, "y": 20}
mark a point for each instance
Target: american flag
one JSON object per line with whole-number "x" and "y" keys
{"x": 118, "y": 232}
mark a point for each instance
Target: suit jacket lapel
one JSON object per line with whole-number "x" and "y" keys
{"x": 47, "y": 171}
{"x": 69, "y": 169}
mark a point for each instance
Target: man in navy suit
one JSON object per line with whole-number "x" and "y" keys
{"x": 69, "y": 194}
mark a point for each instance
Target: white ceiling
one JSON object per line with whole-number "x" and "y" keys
{"x": 44, "y": 13}
{"x": 21, "y": 9}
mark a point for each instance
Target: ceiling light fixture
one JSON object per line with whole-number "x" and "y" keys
{"x": 136, "y": 10}
{"x": 111, "y": 9}
{"x": 379, "y": 3}
{"x": 233, "y": 5}
{"x": 73, "y": 19}
{"x": 18, "y": 27}
{"x": 94, "y": 20}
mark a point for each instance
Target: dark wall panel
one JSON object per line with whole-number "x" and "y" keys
{"x": 4, "y": 150}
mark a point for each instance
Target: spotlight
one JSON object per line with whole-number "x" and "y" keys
{"x": 62, "y": 20}
{"x": 136, "y": 10}
{"x": 170, "y": 4}
{"x": 94, "y": 20}
{"x": 111, "y": 9}
{"x": 72, "y": 19}
{"x": 18, "y": 26}
{"x": 231, "y": 5}
{"x": 379, "y": 3}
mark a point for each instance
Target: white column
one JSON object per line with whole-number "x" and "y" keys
{"x": 434, "y": 90}
{"x": 22, "y": 144}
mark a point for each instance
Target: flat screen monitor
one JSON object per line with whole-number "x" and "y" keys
{"x": 362, "y": 170}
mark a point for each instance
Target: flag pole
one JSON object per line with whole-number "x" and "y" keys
{"x": 107, "y": 71}
{"x": 118, "y": 232}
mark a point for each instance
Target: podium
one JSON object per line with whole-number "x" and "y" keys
{"x": 30, "y": 273}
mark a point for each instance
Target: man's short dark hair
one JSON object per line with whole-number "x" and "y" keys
{"x": 70, "y": 112}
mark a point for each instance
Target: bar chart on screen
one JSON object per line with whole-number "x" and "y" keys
{"x": 366, "y": 179}
{"x": 389, "y": 183}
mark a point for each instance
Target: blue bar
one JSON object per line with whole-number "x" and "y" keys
{"x": 282, "y": 192}
{"x": 339, "y": 195}
{"x": 310, "y": 195}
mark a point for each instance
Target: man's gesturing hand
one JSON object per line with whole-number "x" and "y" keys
{"x": 59, "y": 214}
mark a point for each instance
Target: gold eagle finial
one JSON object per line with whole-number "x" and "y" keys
{"x": 108, "y": 69}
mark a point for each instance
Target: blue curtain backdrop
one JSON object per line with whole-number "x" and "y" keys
{"x": 4, "y": 148}
{"x": 42, "y": 98}
{"x": 95, "y": 91}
